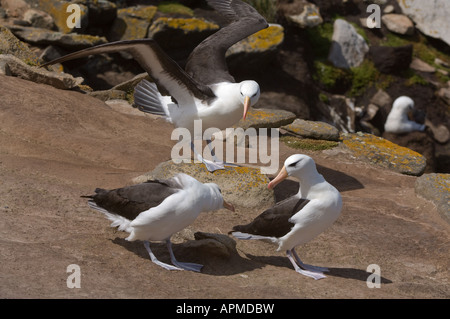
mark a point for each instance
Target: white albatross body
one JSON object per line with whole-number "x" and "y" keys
{"x": 183, "y": 198}
{"x": 300, "y": 218}
{"x": 397, "y": 121}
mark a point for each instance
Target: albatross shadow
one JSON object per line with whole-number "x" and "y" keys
{"x": 213, "y": 265}
{"x": 349, "y": 273}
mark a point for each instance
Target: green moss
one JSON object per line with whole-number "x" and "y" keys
{"x": 308, "y": 144}
{"x": 329, "y": 76}
{"x": 267, "y": 8}
{"x": 412, "y": 78}
{"x": 362, "y": 77}
{"x": 171, "y": 7}
{"x": 324, "y": 98}
{"x": 320, "y": 39}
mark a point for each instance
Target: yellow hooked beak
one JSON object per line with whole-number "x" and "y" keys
{"x": 246, "y": 106}
{"x": 282, "y": 175}
{"x": 228, "y": 206}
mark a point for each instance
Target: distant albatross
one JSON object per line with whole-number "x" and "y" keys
{"x": 397, "y": 121}
{"x": 155, "y": 210}
{"x": 297, "y": 219}
{"x": 205, "y": 90}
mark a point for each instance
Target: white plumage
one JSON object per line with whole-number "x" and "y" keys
{"x": 398, "y": 121}
{"x": 184, "y": 199}
{"x": 300, "y": 218}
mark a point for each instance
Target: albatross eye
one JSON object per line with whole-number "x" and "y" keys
{"x": 295, "y": 163}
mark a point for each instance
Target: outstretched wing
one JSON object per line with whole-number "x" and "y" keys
{"x": 207, "y": 62}
{"x": 166, "y": 73}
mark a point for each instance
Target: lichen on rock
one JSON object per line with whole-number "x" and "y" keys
{"x": 384, "y": 153}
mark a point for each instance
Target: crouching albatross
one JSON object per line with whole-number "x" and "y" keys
{"x": 205, "y": 90}
{"x": 154, "y": 210}
{"x": 397, "y": 121}
{"x": 297, "y": 219}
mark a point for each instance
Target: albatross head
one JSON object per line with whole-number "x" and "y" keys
{"x": 294, "y": 165}
{"x": 216, "y": 200}
{"x": 249, "y": 94}
{"x": 403, "y": 105}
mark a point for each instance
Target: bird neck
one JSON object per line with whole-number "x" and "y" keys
{"x": 309, "y": 180}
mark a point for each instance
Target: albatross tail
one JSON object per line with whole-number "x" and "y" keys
{"x": 148, "y": 99}
{"x": 117, "y": 221}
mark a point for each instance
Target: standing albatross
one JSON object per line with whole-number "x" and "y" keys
{"x": 297, "y": 219}
{"x": 205, "y": 90}
{"x": 155, "y": 210}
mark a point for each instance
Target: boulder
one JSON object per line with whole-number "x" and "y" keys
{"x": 444, "y": 94}
{"x": 132, "y": 23}
{"x": 58, "y": 10}
{"x": 398, "y": 23}
{"x": 9, "y": 44}
{"x": 391, "y": 60}
{"x": 14, "y": 8}
{"x": 39, "y": 19}
{"x": 430, "y": 17}
{"x": 70, "y": 41}
{"x": 18, "y": 68}
{"x": 381, "y": 152}
{"x": 348, "y": 48}
{"x": 266, "y": 118}
{"x": 233, "y": 182}
{"x": 436, "y": 188}
{"x": 308, "y": 18}
{"x": 313, "y": 129}
{"x": 257, "y": 49}
{"x": 180, "y": 33}
{"x": 419, "y": 65}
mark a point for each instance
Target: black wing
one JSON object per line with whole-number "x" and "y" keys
{"x": 166, "y": 73}
{"x": 274, "y": 222}
{"x": 207, "y": 62}
{"x": 130, "y": 201}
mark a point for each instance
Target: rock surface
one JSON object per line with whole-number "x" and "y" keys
{"x": 58, "y": 145}
{"x": 313, "y": 129}
{"x": 18, "y": 68}
{"x": 233, "y": 181}
{"x": 436, "y": 188}
{"x": 348, "y": 48}
{"x": 384, "y": 153}
{"x": 398, "y": 23}
{"x": 430, "y": 17}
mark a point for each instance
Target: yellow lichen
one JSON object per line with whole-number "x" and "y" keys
{"x": 186, "y": 25}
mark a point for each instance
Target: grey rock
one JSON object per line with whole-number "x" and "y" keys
{"x": 71, "y": 41}
{"x": 39, "y": 19}
{"x": 398, "y": 23}
{"x": 348, "y": 48}
{"x": 430, "y": 17}
{"x": 419, "y": 65}
{"x": 20, "y": 69}
{"x": 132, "y": 23}
{"x": 233, "y": 182}
{"x": 308, "y": 18}
{"x": 266, "y": 118}
{"x": 180, "y": 33}
{"x": 381, "y": 152}
{"x": 436, "y": 188}
{"x": 313, "y": 129}
{"x": 10, "y": 44}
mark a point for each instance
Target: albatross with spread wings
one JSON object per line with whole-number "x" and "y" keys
{"x": 205, "y": 90}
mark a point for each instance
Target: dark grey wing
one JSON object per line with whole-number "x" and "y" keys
{"x": 130, "y": 201}
{"x": 166, "y": 73}
{"x": 274, "y": 222}
{"x": 207, "y": 62}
